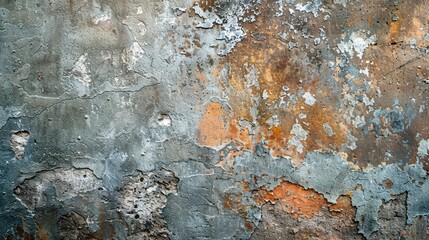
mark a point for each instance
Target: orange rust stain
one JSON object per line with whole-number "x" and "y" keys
{"x": 228, "y": 203}
{"x": 302, "y": 203}
{"x": 395, "y": 28}
{"x": 276, "y": 67}
{"x": 295, "y": 200}
{"x": 216, "y": 128}
{"x": 213, "y": 126}
{"x": 269, "y": 197}
{"x": 241, "y": 136}
{"x": 278, "y": 138}
{"x": 318, "y": 139}
{"x": 260, "y": 199}
{"x": 200, "y": 75}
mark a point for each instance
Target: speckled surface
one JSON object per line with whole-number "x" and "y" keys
{"x": 214, "y": 119}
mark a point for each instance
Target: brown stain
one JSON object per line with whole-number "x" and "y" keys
{"x": 342, "y": 207}
{"x": 42, "y": 234}
{"x": 388, "y": 184}
{"x": 107, "y": 228}
{"x": 206, "y": 5}
{"x": 249, "y": 226}
{"x": 21, "y": 232}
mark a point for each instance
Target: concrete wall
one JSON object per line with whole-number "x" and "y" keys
{"x": 214, "y": 119}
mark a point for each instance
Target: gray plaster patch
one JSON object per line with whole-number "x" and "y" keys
{"x": 326, "y": 173}
{"x": 67, "y": 184}
{"x": 328, "y": 129}
{"x": 142, "y": 199}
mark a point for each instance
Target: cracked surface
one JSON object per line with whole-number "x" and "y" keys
{"x": 214, "y": 119}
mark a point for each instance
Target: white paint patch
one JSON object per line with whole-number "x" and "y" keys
{"x": 309, "y": 99}
{"x": 280, "y": 12}
{"x": 300, "y": 135}
{"x": 365, "y": 71}
{"x": 359, "y": 121}
{"x": 264, "y": 94}
{"x": 98, "y": 15}
{"x": 342, "y": 2}
{"x": 131, "y": 55}
{"x": 142, "y": 28}
{"x": 367, "y": 101}
{"x": 423, "y": 148}
{"x": 81, "y": 71}
{"x": 18, "y": 141}
{"x": 139, "y": 10}
{"x": 357, "y": 42}
{"x": 310, "y": 7}
{"x": 164, "y": 120}
{"x": 351, "y": 141}
{"x": 273, "y": 121}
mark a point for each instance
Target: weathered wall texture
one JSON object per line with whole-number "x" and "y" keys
{"x": 214, "y": 119}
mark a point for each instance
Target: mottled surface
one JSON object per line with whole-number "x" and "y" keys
{"x": 214, "y": 119}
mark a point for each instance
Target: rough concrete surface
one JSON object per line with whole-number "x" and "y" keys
{"x": 214, "y": 119}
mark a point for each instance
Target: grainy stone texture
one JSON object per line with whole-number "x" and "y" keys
{"x": 214, "y": 119}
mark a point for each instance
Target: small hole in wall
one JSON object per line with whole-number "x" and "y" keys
{"x": 84, "y": 175}
{"x": 135, "y": 205}
{"x": 136, "y": 216}
{"x": 141, "y": 179}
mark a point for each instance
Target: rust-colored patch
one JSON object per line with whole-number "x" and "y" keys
{"x": 318, "y": 139}
{"x": 302, "y": 203}
{"x": 213, "y": 126}
{"x": 281, "y": 73}
{"x": 227, "y": 203}
{"x": 295, "y": 200}
{"x": 394, "y": 32}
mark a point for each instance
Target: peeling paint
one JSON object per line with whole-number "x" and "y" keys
{"x": 214, "y": 119}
